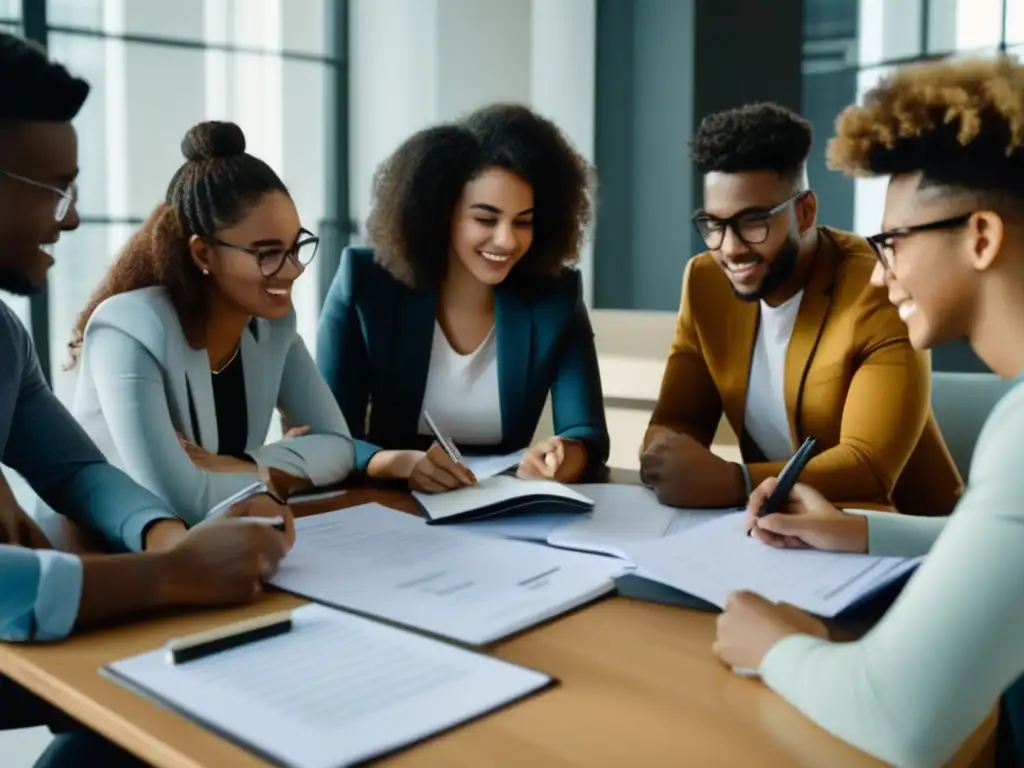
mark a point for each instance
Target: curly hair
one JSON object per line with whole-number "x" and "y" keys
{"x": 35, "y": 88}
{"x": 416, "y": 189}
{"x": 215, "y": 188}
{"x": 959, "y": 122}
{"x": 755, "y": 137}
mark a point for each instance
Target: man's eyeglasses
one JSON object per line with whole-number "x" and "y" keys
{"x": 272, "y": 260}
{"x": 65, "y": 197}
{"x": 883, "y": 242}
{"x": 752, "y": 227}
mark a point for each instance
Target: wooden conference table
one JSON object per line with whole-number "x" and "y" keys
{"x": 639, "y": 686}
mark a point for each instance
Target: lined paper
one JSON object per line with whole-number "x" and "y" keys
{"x": 336, "y": 690}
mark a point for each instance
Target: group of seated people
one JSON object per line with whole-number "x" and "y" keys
{"x": 468, "y": 307}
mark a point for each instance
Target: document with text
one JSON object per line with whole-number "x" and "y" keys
{"x": 475, "y": 589}
{"x": 717, "y": 557}
{"x": 336, "y": 690}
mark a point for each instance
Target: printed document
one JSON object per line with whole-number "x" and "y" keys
{"x": 379, "y": 562}
{"x": 717, "y": 557}
{"x": 336, "y": 690}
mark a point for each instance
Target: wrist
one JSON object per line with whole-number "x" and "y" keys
{"x": 739, "y": 487}
{"x": 171, "y": 579}
{"x": 393, "y": 465}
{"x": 163, "y": 534}
{"x": 855, "y": 533}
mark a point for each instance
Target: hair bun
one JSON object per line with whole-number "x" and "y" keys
{"x": 212, "y": 139}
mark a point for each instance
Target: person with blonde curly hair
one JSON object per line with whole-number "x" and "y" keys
{"x": 950, "y": 137}
{"x": 468, "y": 306}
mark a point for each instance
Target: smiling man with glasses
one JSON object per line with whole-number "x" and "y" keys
{"x": 45, "y": 594}
{"x": 780, "y": 330}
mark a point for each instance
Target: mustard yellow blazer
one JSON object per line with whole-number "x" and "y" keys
{"x": 852, "y": 381}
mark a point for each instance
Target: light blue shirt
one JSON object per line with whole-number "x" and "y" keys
{"x": 40, "y": 594}
{"x": 40, "y": 590}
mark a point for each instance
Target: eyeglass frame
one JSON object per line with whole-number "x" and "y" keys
{"x": 884, "y": 240}
{"x": 733, "y": 222}
{"x": 65, "y": 197}
{"x": 290, "y": 253}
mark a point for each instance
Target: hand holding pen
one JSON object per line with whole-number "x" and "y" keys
{"x": 787, "y": 479}
{"x": 441, "y": 468}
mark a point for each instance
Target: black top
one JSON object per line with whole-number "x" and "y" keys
{"x": 232, "y": 415}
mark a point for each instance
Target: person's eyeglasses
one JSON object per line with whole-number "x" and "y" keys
{"x": 883, "y": 242}
{"x": 752, "y": 227}
{"x": 65, "y": 197}
{"x": 272, "y": 260}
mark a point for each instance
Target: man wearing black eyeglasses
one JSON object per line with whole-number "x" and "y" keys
{"x": 45, "y": 594}
{"x": 781, "y": 331}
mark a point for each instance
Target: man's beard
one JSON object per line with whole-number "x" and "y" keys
{"x": 17, "y": 283}
{"x": 779, "y": 271}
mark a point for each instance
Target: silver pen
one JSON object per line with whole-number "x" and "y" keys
{"x": 447, "y": 446}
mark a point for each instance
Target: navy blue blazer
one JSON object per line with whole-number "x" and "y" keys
{"x": 373, "y": 347}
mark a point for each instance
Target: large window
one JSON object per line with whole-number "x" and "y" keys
{"x": 849, "y": 46}
{"x": 10, "y": 22}
{"x": 156, "y": 68}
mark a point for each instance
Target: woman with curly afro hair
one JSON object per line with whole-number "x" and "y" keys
{"x": 189, "y": 344}
{"x": 468, "y": 307}
{"x": 950, "y": 137}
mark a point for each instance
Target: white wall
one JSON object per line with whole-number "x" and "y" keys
{"x": 414, "y": 63}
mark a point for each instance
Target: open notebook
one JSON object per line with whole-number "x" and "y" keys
{"x": 500, "y": 495}
{"x": 336, "y": 690}
{"x": 717, "y": 557}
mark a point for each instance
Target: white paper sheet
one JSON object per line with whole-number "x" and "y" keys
{"x": 453, "y": 583}
{"x": 489, "y": 466}
{"x": 624, "y": 514}
{"x": 336, "y": 690}
{"x": 717, "y": 557}
{"x": 496, "y": 490}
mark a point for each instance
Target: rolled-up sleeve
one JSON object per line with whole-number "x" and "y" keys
{"x": 40, "y": 594}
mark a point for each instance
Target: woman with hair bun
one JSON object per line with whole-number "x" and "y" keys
{"x": 189, "y": 343}
{"x": 468, "y": 307}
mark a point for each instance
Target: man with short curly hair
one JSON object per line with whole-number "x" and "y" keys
{"x": 780, "y": 329}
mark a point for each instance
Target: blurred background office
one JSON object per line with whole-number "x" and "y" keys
{"x": 325, "y": 89}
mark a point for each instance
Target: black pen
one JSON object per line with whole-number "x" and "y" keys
{"x": 213, "y": 641}
{"x": 787, "y": 479}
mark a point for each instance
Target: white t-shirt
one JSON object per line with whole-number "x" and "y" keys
{"x": 462, "y": 395}
{"x": 765, "y": 419}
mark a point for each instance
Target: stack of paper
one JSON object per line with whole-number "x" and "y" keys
{"x": 386, "y": 564}
{"x": 336, "y": 690}
{"x": 717, "y": 557}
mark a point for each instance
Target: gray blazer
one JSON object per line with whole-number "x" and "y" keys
{"x": 132, "y": 394}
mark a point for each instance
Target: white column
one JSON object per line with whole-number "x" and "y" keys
{"x": 562, "y": 68}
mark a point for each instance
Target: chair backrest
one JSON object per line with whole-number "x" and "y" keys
{"x": 962, "y": 402}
